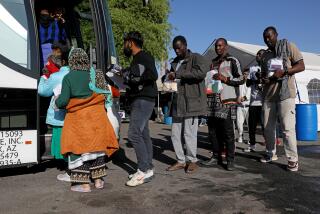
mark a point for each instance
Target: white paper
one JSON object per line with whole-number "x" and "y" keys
{"x": 275, "y": 64}
{"x": 170, "y": 86}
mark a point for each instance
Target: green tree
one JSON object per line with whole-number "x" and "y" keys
{"x": 150, "y": 20}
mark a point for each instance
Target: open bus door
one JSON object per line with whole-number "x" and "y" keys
{"x": 88, "y": 26}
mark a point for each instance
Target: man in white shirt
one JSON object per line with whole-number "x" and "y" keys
{"x": 255, "y": 108}
{"x": 243, "y": 108}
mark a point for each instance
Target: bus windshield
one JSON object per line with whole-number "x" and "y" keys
{"x": 13, "y": 25}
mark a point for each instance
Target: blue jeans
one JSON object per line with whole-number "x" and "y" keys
{"x": 138, "y": 134}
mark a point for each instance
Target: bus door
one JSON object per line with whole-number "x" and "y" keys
{"x": 88, "y": 26}
{"x": 18, "y": 85}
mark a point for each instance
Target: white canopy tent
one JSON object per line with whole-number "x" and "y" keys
{"x": 308, "y": 82}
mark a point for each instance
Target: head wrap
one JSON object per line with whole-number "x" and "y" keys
{"x": 79, "y": 60}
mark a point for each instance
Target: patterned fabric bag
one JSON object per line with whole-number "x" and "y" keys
{"x": 220, "y": 110}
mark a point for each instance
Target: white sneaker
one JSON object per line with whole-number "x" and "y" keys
{"x": 251, "y": 148}
{"x": 268, "y": 159}
{"x": 149, "y": 174}
{"x": 240, "y": 140}
{"x": 137, "y": 179}
{"x": 64, "y": 177}
{"x": 293, "y": 166}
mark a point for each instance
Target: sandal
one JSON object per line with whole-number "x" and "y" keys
{"x": 79, "y": 188}
{"x": 99, "y": 183}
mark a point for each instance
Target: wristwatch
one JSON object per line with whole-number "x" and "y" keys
{"x": 286, "y": 72}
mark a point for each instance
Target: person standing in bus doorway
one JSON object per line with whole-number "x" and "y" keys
{"x": 280, "y": 63}
{"x": 50, "y": 31}
{"x": 87, "y": 134}
{"x": 227, "y": 71}
{"x": 141, "y": 78}
{"x": 189, "y": 71}
{"x": 49, "y": 82}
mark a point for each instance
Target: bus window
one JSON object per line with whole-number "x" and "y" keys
{"x": 14, "y": 27}
{"x": 18, "y": 109}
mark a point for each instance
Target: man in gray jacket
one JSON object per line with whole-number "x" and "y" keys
{"x": 188, "y": 70}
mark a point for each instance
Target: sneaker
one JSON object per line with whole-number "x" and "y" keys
{"x": 240, "y": 140}
{"x": 251, "y": 148}
{"x": 230, "y": 165}
{"x": 201, "y": 124}
{"x": 224, "y": 153}
{"x": 269, "y": 159}
{"x": 64, "y": 177}
{"x": 137, "y": 179}
{"x": 293, "y": 166}
{"x": 210, "y": 163}
{"x": 149, "y": 174}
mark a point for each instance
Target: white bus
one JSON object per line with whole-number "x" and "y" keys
{"x": 22, "y": 118}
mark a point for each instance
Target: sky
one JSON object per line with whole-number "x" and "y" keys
{"x": 201, "y": 21}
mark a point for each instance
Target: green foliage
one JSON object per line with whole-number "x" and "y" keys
{"x": 86, "y": 26}
{"x": 151, "y": 21}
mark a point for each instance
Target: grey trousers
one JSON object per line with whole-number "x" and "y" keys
{"x": 185, "y": 129}
{"x": 138, "y": 133}
{"x": 286, "y": 111}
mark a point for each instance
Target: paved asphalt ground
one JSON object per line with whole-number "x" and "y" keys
{"x": 252, "y": 188}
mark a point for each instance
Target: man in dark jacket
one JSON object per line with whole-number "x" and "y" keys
{"x": 222, "y": 103}
{"x": 188, "y": 70}
{"x": 50, "y": 31}
{"x": 141, "y": 78}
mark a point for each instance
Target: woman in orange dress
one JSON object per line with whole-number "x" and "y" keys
{"x": 87, "y": 135}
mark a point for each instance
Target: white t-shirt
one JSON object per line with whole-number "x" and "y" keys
{"x": 244, "y": 91}
{"x": 256, "y": 93}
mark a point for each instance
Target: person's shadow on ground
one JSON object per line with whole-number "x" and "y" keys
{"x": 161, "y": 145}
{"x": 120, "y": 159}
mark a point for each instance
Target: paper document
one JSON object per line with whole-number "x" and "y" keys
{"x": 117, "y": 79}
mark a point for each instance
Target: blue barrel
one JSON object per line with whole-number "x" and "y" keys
{"x": 165, "y": 110}
{"x": 306, "y": 122}
{"x": 168, "y": 120}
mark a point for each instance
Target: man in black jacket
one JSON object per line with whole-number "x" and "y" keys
{"x": 188, "y": 70}
{"x": 141, "y": 78}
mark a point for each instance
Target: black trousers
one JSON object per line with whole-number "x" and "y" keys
{"x": 221, "y": 135}
{"x": 255, "y": 117}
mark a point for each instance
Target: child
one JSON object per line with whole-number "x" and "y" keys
{"x": 54, "y": 62}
